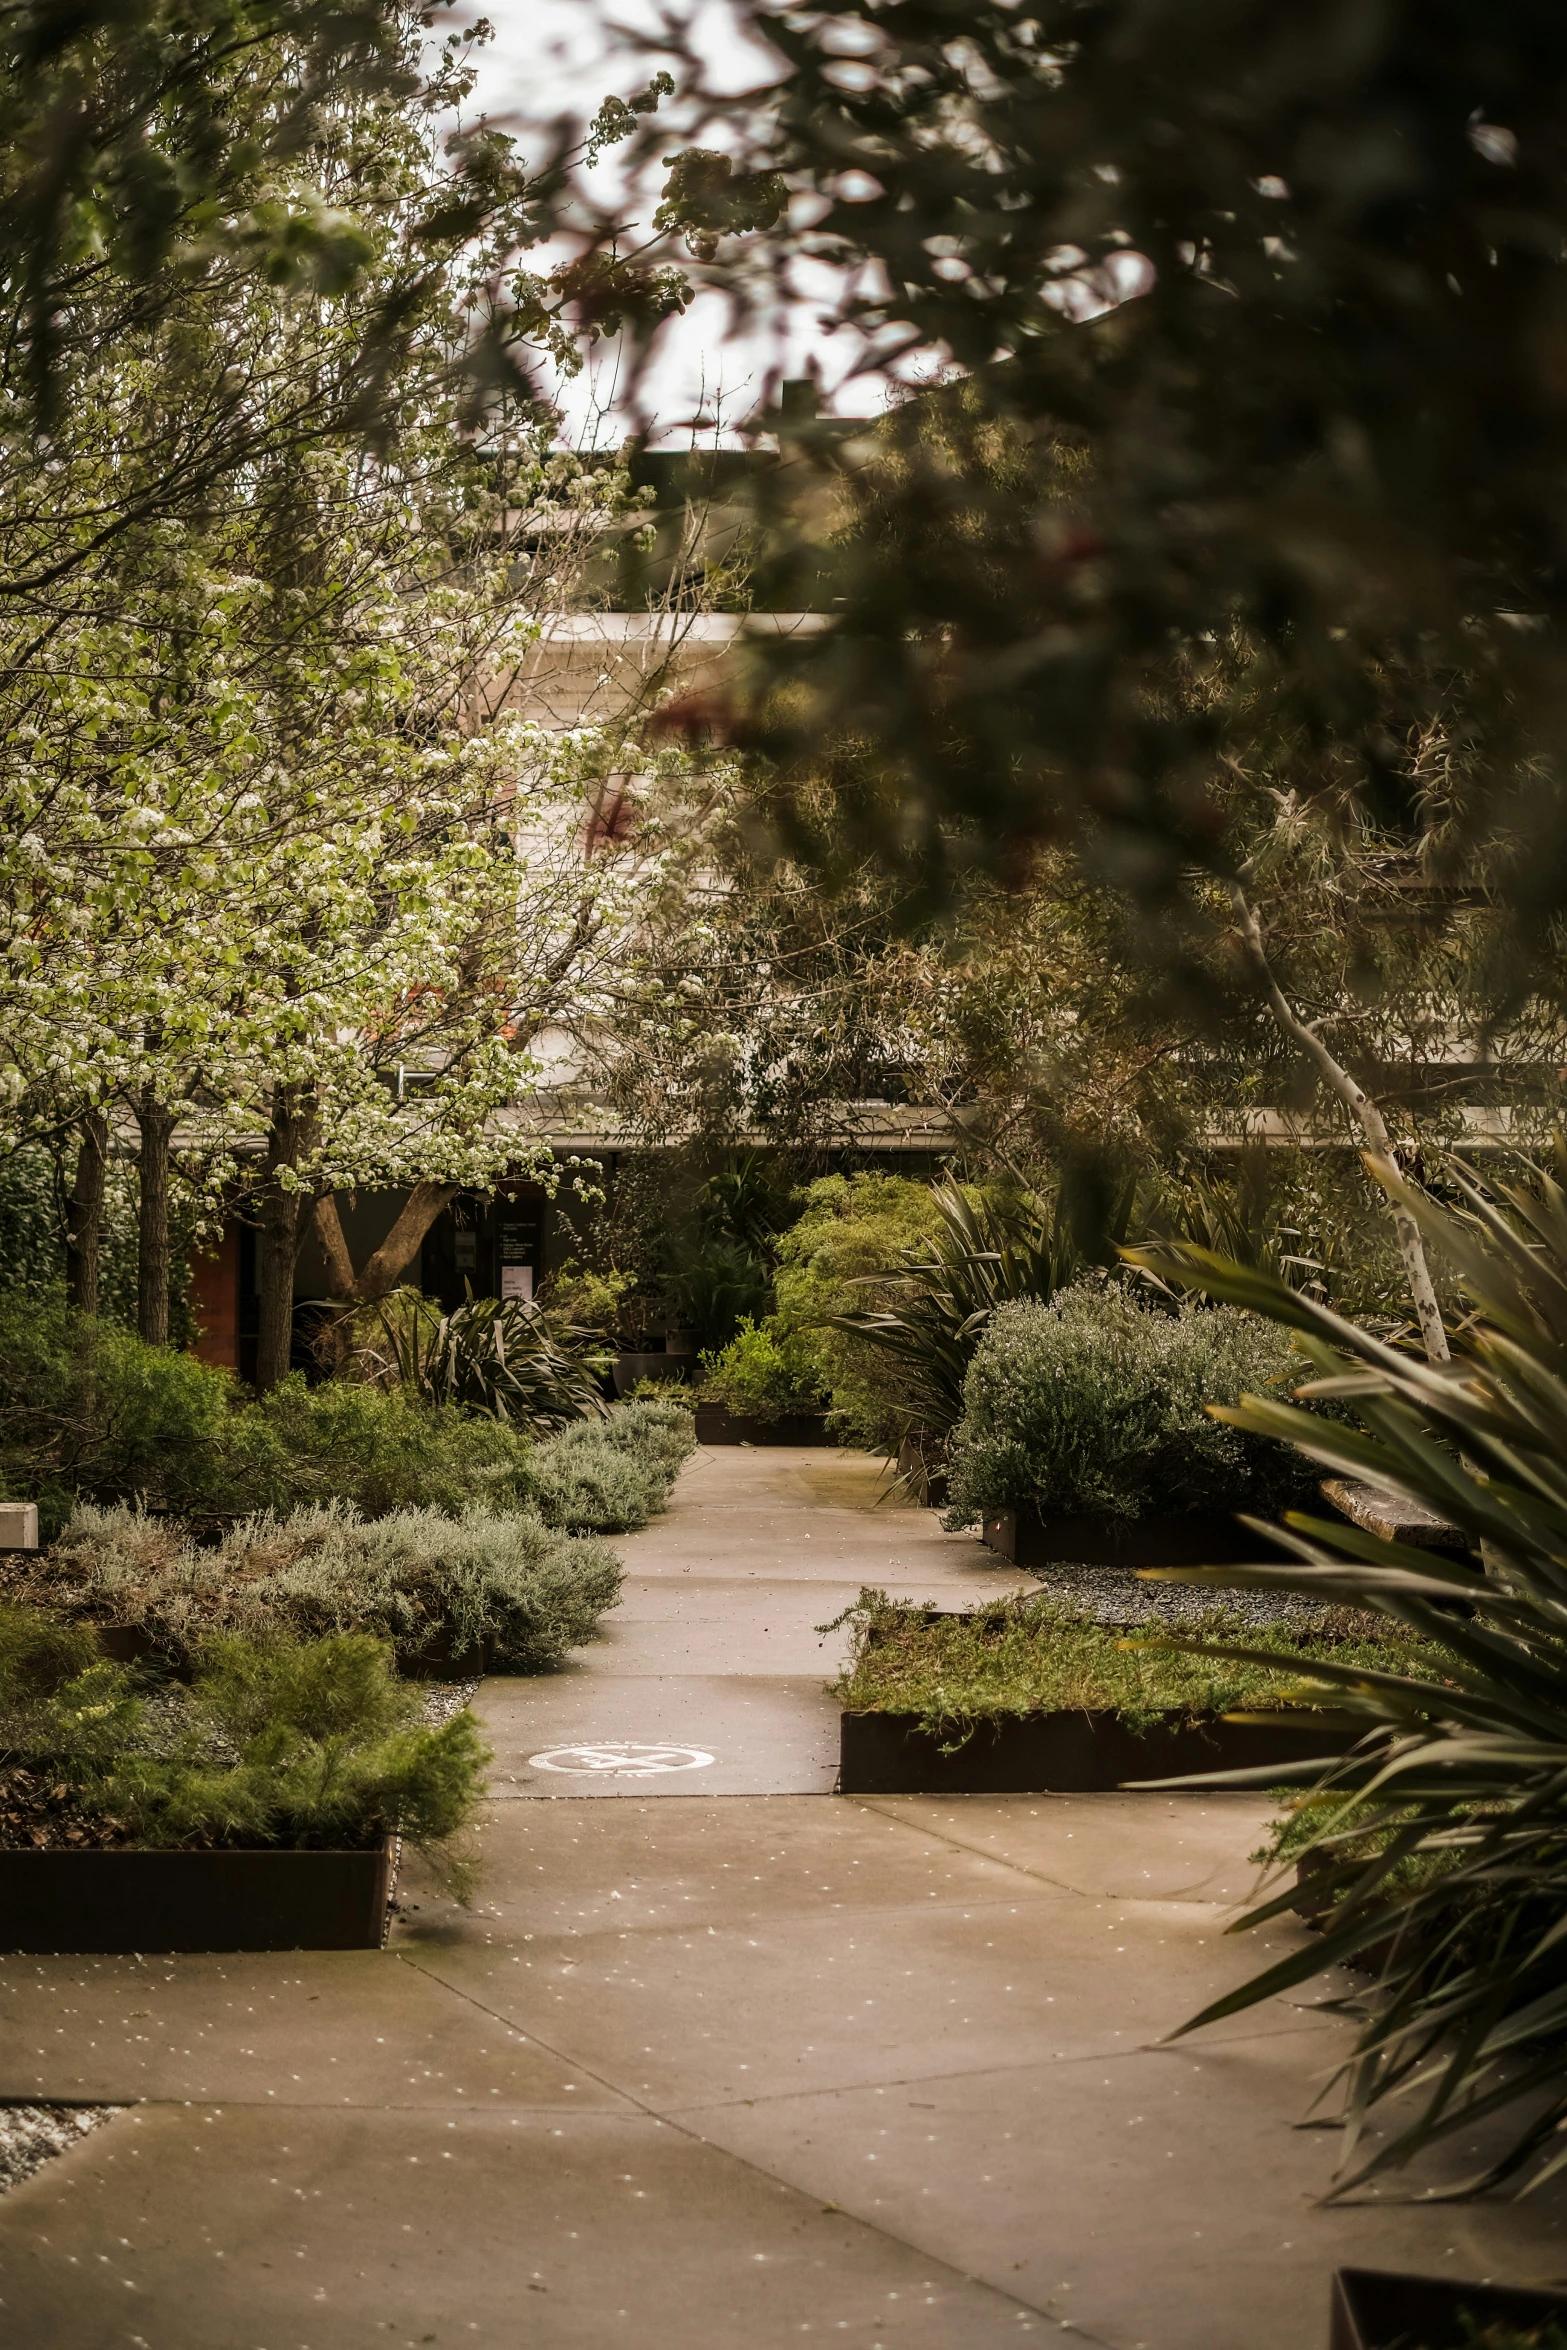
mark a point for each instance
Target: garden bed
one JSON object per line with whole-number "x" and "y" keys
{"x": 716, "y": 1424}
{"x": 1375, "y": 2309}
{"x": 1066, "y": 1753}
{"x": 111, "y": 1901}
{"x": 1195, "y": 1539}
{"x": 1025, "y": 1696}
{"x": 454, "y": 1596}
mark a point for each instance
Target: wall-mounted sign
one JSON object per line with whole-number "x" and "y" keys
{"x": 466, "y": 1245}
{"x": 520, "y": 1235}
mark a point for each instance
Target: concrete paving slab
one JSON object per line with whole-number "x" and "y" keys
{"x": 583, "y": 1868}
{"x": 809, "y": 2001}
{"x": 199, "y": 2229}
{"x": 706, "y": 1624}
{"x": 790, "y": 1512}
{"x": 659, "y": 1734}
{"x": 1163, "y": 2200}
{"x": 332, "y": 2027}
{"x": 1161, "y": 1847}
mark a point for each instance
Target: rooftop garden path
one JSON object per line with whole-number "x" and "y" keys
{"x": 714, "y": 1649}
{"x": 726, "y": 2058}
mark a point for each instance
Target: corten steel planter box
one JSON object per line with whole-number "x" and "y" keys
{"x": 1206, "y": 1538}
{"x": 1067, "y": 1753}
{"x": 1373, "y": 2309}
{"x": 127, "y": 1900}
{"x": 629, "y": 1368}
{"x": 716, "y": 1424}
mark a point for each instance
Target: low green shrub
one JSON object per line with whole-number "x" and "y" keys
{"x": 414, "y": 1578}
{"x": 611, "y": 1476}
{"x": 1028, "y": 1655}
{"x": 766, "y": 1371}
{"x": 1095, "y": 1405}
{"x": 302, "y": 1746}
{"x": 851, "y": 1227}
{"x": 86, "y": 1408}
{"x": 378, "y": 1449}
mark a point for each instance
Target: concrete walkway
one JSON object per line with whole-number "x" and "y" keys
{"x": 728, "y": 2060}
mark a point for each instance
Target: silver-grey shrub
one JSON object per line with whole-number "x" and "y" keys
{"x": 505, "y": 1584}
{"x": 1092, "y": 1405}
{"x": 610, "y": 1476}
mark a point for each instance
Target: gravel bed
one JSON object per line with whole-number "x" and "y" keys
{"x": 442, "y": 1699}
{"x": 1115, "y": 1595}
{"x": 31, "y": 2135}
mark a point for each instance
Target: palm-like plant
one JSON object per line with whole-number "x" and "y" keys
{"x": 1438, "y": 1848}
{"x": 951, "y": 1285}
{"x": 507, "y": 1359}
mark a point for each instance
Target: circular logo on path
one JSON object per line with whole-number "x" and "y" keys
{"x": 620, "y": 1758}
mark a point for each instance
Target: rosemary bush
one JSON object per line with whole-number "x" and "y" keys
{"x": 1094, "y": 1404}
{"x": 312, "y": 1745}
{"x": 611, "y": 1476}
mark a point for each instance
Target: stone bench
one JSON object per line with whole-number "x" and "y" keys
{"x": 18, "y": 1525}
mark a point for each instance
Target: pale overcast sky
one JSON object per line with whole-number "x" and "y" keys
{"x": 552, "y": 56}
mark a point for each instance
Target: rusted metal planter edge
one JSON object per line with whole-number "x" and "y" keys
{"x": 112, "y": 1902}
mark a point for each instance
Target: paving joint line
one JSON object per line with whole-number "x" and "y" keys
{"x": 1035, "y": 1876}
{"x": 669, "y": 2121}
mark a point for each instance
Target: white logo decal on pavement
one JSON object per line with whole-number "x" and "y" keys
{"x": 620, "y": 1758}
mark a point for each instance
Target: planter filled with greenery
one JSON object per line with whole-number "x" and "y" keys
{"x": 761, "y": 1389}
{"x": 478, "y": 1593}
{"x": 1025, "y": 1696}
{"x": 1376, "y": 2309}
{"x": 255, "y": 1809}
{"x": 1085, "y": 1434}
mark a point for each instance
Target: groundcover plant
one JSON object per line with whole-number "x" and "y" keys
{"x": 1022, "y": 1656}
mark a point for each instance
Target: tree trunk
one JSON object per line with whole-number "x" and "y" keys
{"x": 381, "y": 1272}
{"x": 385, "y": 1269}
{"x": 334, "y": 1247}
{"x": 1358, "y": 1102}
{"x": 84, "y": 1214}
{"x": 278, "y": 1235}
{"x": 156, "y": 1123}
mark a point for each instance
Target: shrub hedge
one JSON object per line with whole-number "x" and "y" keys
{"x": 1094, "y": 1405}
{"x": 414, "y": 1578}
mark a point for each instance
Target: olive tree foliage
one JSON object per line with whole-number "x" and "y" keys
{"x": 287, "y": 883}
{"x": 1283, "y": 294}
